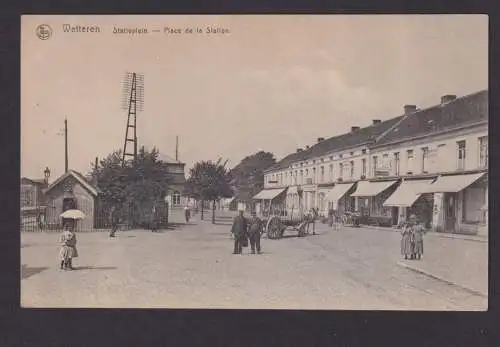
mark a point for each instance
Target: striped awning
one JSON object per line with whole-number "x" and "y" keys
{"x": 407, "y": 193}
{"x": 366, "y": 188}
{"x": 268, "y": 194}
{"x": 452, "y": 184}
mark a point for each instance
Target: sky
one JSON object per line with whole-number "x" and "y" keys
{"x": 272, "y": 83}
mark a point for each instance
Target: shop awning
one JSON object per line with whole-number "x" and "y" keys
{"x": 452, "y": 184}
{"x": 269, "y": 194}
{"x": 292, "y": 190}
{"x": 407, "y": 193}
{"x": 366, "y": 188}
{"x": 338, "y": 191}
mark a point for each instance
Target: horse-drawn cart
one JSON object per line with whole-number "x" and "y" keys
{"x": 277, "y": 223}
{"x": 271, "y": 206}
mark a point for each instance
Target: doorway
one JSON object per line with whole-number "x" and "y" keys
{"x": 395, "y": 215}
{"x": 68, "y": 204}
{"x": 450, "y": 216}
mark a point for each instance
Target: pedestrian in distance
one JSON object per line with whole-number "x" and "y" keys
{"x": 114, "y": 220}
{"x": 331, "y": 218}
{"x": 406, "y": 240}
{"x": 417, "y": 239}
{"x": 154, "y": 218}
{"x": 255, "y": 229}
{"x": 337, "y": 221}
{"x": 68, "y": 249}
{"x": 239, "y": 230}
{"x": 187, "y": 213}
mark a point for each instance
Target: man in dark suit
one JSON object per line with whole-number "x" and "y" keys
{"x": 254, "y": 232}
{"x": 153, "y": 218}
{"x": 239, "y": 230}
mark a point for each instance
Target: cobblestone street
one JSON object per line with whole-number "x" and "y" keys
{"x": 192, "y": 267}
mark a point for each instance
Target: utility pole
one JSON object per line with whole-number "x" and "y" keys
{"x": 177, "y": 148}
{"x": 65, "y": 145}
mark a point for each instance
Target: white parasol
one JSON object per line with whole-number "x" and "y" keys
{"x": 73, "y": 214}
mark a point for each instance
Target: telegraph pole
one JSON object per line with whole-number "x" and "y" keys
{"x": 65, "y": 145}
{"x": 177, "y": 148}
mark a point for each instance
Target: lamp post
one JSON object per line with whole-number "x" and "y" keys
{"x": 46, "y": 174}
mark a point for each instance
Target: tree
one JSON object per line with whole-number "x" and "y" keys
{"x": 209, "y": 181}
{"x": 137, "y": 184}
{"x": 247, "y": 177}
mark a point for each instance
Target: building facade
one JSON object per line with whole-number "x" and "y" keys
{"x": 32, "y": 203}
{"x": 432, "y": 162}
{"x": 441, "y": 156}
{"x": 175, "y": 191}
{"x": 72, "y": 191}
{"x": 32, "y": 192}
{"x": 323, "y": 176}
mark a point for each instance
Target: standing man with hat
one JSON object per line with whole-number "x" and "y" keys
{"x": 254, "y": 231}
{"x": 239, "y": 230}
{"x": 114, "y": 219}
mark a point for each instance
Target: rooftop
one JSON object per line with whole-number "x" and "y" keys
{"x": 169, "y": 160}
{"x": 341, "y": 142}
{"x": 467, "y": 110}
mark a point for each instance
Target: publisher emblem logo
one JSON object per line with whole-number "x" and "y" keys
{"x": 44, "y": 32}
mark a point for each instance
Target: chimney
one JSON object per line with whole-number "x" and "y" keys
{"x": 447, "y": 98}
{"x": 299, "y": 150}
{"x": 410, "y": 108}
{"x": 376, "y": 121}
{"x": 353, "y": 129}
{"x": 321, "y": 139}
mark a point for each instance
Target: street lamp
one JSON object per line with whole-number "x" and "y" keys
{"x": 46, "y": 173}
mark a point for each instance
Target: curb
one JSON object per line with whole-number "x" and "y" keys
{"x": 441, "y": 235}
{"x": 444, "y": 236}
{"x": 438, "y": 278}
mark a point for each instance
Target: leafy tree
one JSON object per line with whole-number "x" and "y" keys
{"x": 135, "y": 185}
{"x": 209, "y": 181}
{"x": 247, "y": 177}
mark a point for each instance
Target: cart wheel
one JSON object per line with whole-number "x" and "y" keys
{"x": 274, "y": 228}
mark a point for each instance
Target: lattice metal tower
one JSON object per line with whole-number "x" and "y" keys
{"x": 133, "y": 101}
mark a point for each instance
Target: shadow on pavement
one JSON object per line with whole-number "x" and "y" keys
{"x": 94, "y": 268}
{"x": 30, "y": 271}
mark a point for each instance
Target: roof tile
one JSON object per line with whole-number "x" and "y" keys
{"x": 466, "y": 110}
{"x": 341, "y": 142}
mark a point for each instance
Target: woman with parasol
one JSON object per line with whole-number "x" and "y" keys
{"x": 67, "y": 239}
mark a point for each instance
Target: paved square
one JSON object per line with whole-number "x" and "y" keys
{"x": 192, "y": 267}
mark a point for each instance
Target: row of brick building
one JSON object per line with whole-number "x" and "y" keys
{"x": 432, "y": 162}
